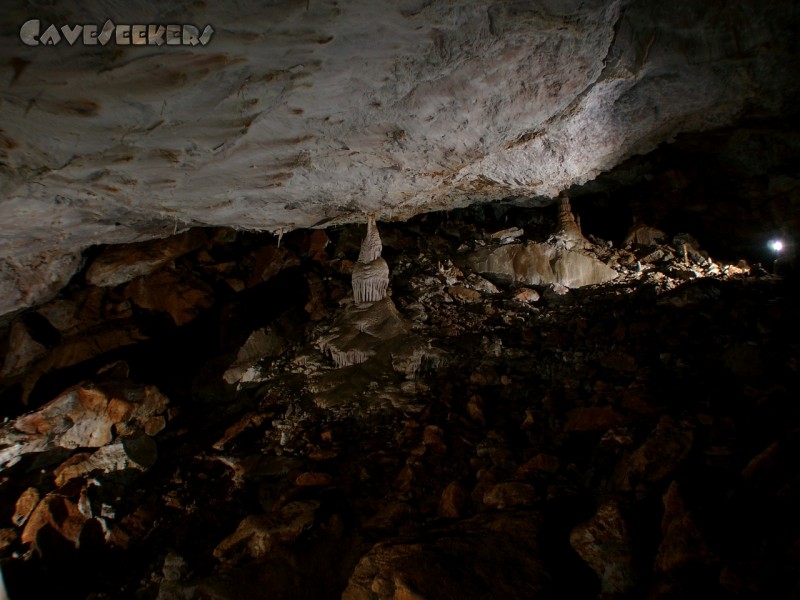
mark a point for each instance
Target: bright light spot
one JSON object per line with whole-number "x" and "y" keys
{"x": 776, "y": 245}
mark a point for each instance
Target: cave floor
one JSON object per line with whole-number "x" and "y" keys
{"x": 633, "y": 439}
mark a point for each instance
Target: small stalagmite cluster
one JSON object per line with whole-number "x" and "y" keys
{"x": 371, "y": 273}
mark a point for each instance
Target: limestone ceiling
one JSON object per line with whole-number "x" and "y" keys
{"x": 312, "y": 112}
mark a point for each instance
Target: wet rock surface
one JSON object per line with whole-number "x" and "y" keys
{"x": 637, "y": 438}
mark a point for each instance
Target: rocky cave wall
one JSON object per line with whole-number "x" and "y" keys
{"x": 305, "y": 113}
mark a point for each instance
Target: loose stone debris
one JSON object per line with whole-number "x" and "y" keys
{"x": 519, "y": 414}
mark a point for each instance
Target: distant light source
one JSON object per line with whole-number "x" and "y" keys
{"x": 776, "y": 245}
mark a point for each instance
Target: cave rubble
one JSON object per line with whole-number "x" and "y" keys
{"x": 599, "y": 442}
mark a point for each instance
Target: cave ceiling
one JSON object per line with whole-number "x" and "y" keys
{"x": 315, "y": 112}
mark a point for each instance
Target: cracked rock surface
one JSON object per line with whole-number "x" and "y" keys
{"x": 308, "y": 112}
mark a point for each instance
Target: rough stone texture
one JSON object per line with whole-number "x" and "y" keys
{"x": 371, "y": 273}
{"x": 541, "y": 264}
{"x": 31, "y": 279}
{"x": 85, "y": 417}
{"x": 569, "y": 231}
{"x": 656, "y": 458}
{"x": 118, "y": 264}
{"x": 463, "y": 412}
{"x": 22, "y": 351}
{"x": 592, "y": 418}
{"x": 683, "y": 542}
{"x": 604, "y": 542}
{"x": 644, "y": 235}
{"x": 484, "y": 557}
{"x": 360, "y": 330}
{"x": 257, "y": 535}
{"x": 166, "y": 291}
{"x": 304, "y": 113}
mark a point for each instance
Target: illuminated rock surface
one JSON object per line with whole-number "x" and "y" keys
{"x": 299, "y": 113}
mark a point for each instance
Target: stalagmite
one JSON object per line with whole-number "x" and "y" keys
{"x": 568, "y": 229}
{"x": 371, "y": 273}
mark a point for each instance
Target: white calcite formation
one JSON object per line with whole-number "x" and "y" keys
{"x": 541, "y": 264}
{"x": 361, "y": 330}
{"x": 371, "y": 273}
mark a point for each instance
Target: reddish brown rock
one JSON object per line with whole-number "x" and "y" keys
{"x": 59, "y": 513}
{"x": 619, "y": 361}
{"x": 317, "y": 243}
{"x": 453, "y": 502}
{"x": 118, "y": 264}
{"x": 545, "y": 463}
{"x": 763, "y": 464}
{"x": 683, "y": 543}
{"x": 126, "y": 453}
{"x": 257, "y": 535}
{"x": 313, "y": 479}
{"x": 463, "y": 293}
{"x": 510, "y": 494}
{"x": 22, "y": 351}
{"x": 475, "y": 410}
{"x": 180, "y": 296}
{"x": 593, "y": 418}
{"x": 251, "y": 419}
{"x": 484, "y": 375}
{"x": 644, "y": 235}
{"x": 69, "y": 469}
{"x": 85, "y": 416}
{"x": 8, "y": 536}
{"x": 660, "y": 454}
{"x": 604, "y": 543}
{"x": 432, "y": 439}
{"x": 25, "y": 505}
{"x": 489, "y": 556}
{"x": 527, "y": 295}
{"x": 316, "y": 307}
{"x": 269, "y": 261}
{"x": 389, "y": 516}
{"x": 322, "y": 454}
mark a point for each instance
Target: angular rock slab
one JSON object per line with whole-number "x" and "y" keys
{"x": 541, "y": 264}
{"x": 604, "y": 543}
{"x": 489, "y": 556}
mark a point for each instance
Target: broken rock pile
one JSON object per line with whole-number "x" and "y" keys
{"x": 494, "y": 438}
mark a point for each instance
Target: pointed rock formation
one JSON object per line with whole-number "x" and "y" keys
{"x": 371, "y": 273}
{"x": 568, "y": 229}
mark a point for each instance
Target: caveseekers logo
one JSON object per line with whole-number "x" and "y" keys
{"x": 123, "y": 35}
